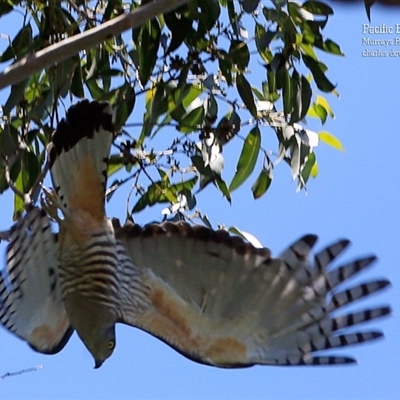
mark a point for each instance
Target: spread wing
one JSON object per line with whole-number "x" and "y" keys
{"x": 30, "y": 300}
{"x": 222, "y": 302}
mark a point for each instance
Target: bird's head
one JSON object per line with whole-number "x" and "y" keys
{"x": 95, "y": 325}
{"x": 100, "y": 341}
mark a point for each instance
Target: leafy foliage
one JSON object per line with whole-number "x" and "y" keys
{"x": 189, "y": 74}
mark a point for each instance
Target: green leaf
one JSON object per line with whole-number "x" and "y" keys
{"x": 279, "y": 66}
{"x": 233, "y": 15}
{"x": 19, "y": 205}
{"x": 113, "y": 189}
{"x": 288, "y": 93}
{"x": 15, "y": 170}
{"x": 262, "y": 184}
{"x": 21, "y": 45}
{"x": 207, "y": 176}
{"x": 331, "y": 47}
{"x": 113, "y": 9}
{"x": 3, "y": 181}
{"x": 31, "y": 167}
{"x": 270, "y": 89}
{"x": 330, "y": 140}
{"x": 163, "y": 192}
{"x": 314, "y": 170}
{"x": 77, "y": 82}
{"x": 182, "y": 97}
{"x": 287, "y": 26}
{"x": 318, "y": 111}
{"x": 247, "y": 159}
{"x": 227, "y": 128}
{"x": 8, "y": 140}
{"x": 248, "y": 237}
{"x": 221, "y": 185}
{"x": 246, "y": 94}
{"x": 63, "y": 75}
{"x": 154, "y": 194}
{"x": 317, "y": 70}
{"x": 308, "y": 167}
{"x": 148, "y": 43}
{"x": 198, "y": 163}
{"x": 317, "y": 8}
{"x": 250, "y": 6}
{"x": 181, "y": 187}
{"x": 270, "y": 14}
{"x": 191, "y": 93}
{"x": 303, "y": 99}
{"x": 211, "y": 106}
{"x": 294, "y": 13}
{"x": 163, "y": 174}
{"x": 125, "y": 97}
{"x": 179, "y": 27}
{"x": 225, "y": 67}
{"x": 321, "y": 109}
{"x": 5, "y": 8}
{"x": 208, "y": 16}
{"x": 16, "y": 95}
{"x": 95, "y": 90}
{"x": 308, "y": 49}
{"x": 239, "y": 54}
{"x": 190, "y": 198}
{"x": 263, "y": 39}
{"x": 157, "y": 103}
{"x": 192, "y": 121}
{"x": 324, "y": 103}
{"x": 115, "y": 163}
{"x": 205, "y": 220}
{"x": 306, "y": 94}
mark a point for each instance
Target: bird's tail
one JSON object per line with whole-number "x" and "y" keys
{"x": 79, "y": 154}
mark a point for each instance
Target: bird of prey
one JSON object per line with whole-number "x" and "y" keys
{"x": 213, "y": 297}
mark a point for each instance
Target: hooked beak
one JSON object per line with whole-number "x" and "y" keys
{"x": 98, "y": 363}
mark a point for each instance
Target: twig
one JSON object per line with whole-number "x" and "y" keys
{"x": 66, "y": 48}
{"x": 22, "y": 371}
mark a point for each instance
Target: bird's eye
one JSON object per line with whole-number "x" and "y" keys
{"x": 111, "y": 344}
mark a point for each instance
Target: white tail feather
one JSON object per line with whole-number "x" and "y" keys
{"x": 85, "y": 132}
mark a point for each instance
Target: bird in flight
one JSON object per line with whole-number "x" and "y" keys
{"x": 213, "y": 297}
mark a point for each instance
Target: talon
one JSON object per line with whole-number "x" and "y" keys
{"x": 51, "y": 203}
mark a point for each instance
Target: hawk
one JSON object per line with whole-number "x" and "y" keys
{"x": 213, "y": 297}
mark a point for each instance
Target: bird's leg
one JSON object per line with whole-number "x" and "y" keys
{"x": 5, "y": 235}
{"x": 51, "y": 204}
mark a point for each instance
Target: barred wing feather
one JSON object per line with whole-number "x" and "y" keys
{"x": 222, "y": 302}
{"x": 30, "y": 300}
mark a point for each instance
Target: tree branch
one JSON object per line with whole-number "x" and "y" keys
{"x": 67, "y": 48}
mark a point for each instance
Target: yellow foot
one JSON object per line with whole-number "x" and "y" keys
{"x": 51, "y": 204}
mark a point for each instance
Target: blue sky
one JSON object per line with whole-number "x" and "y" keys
{"x": 356, "y": 195}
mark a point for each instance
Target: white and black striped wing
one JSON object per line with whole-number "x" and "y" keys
{"x": 30, "y": 301}
{"x": 222, "y": 302}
